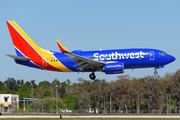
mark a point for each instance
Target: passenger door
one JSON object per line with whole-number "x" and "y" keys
{"x": 151, "y": 55}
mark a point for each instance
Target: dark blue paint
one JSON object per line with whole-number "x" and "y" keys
{"x": 27, "y": 63}
{"x": 155, "y": 60}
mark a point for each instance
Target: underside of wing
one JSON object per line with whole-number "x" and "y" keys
{"x": 83, "y": 62}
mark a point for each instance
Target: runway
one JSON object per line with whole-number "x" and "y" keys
{"x": 90, "y": 116}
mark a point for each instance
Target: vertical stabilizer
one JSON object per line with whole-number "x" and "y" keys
{"x": 23, "y": 44}
{"x": 27, "y": 50}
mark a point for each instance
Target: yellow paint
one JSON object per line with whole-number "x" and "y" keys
{"x": 24, "y": 109}
{"x": 62, "y": 45}
{"x": 43, "y": 52}
{"x": 49, "y": 56}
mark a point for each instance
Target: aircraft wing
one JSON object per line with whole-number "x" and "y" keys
{"x": 83, "y": 62}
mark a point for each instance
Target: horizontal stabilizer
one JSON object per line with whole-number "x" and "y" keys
{"x": 19, "y": 57}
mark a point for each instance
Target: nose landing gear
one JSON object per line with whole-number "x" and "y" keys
{"x": 92, "y": 76}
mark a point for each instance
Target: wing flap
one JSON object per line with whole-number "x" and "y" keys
{"x": 84, "y": 66}
{"x": 83, "y": 62}
{"x": 86, "y": 60}
{"x": 19, "y": 57}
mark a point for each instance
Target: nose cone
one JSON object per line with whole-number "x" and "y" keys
{"x": 171, "y": 58}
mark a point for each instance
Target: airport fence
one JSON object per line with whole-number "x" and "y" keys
{"x": 92, "y": 111}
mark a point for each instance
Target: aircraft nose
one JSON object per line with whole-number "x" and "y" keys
{"x": 171, "y": 58}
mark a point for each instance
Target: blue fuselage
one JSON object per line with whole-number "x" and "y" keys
{"x": 132, "y": 58}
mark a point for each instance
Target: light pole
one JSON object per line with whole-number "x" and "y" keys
{"x": 32, "y": 93}
{"x": 56, "y": 101}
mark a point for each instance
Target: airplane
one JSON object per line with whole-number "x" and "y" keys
{"x": 107, "y": 61}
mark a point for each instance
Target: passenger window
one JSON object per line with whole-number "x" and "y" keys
{"x": 5, "y": 99}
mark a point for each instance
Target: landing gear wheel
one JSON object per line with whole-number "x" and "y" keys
{"x": 155, "y": 72}
{"x": 92, "y": 76}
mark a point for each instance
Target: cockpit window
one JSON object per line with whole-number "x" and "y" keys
{"x": 163, "y": 53}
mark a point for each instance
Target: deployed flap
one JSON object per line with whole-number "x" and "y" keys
{"x": 81, "y": 61}
{"x": 19, "y": 57}
{"x": 84, "y": 62}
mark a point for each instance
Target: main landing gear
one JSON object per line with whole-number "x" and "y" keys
{"x": 155, "y": 72}
{"x": 92, "y": 76}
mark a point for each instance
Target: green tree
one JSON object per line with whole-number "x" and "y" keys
{"x": 18, "y": 83}
{"x": 10, "y": 107}
{"x": 1, "y": 84}
{"x": 40, "y": 92}
{"x": 4, "y": 89}
{"x": 68, "y": 82}
{"x": 44, "y": 84}
{"x": 56, "y": 82}
{"x": 50, "y": 103}
{"x": 62, "y": 89}
{"x": 70, "y": 101}
{"x": 28, "y": 84}
{"x": 83, "y": 100}
{"x": 2, "y": 106}
{"x": 22, "y": 82}
{"x": 11, "y": 85}
{"x": 24, "y": 92}
{"x": 33, "y": 83}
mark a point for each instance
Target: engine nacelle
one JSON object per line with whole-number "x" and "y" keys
{"x": 114, "y": 68}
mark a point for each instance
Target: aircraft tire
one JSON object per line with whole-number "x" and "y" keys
{"x": 92, "y": 76}
{"x": 155, "y": 72}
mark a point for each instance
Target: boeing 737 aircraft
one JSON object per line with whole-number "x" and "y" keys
{"x": 107, "y": 61}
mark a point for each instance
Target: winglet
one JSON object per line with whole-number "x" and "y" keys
{"x": 62, "y": 48}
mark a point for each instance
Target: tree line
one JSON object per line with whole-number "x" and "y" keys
{"x": 126, "y": 93}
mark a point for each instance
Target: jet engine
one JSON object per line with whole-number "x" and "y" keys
{"x": 114, "y": 68}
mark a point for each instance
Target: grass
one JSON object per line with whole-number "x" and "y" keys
{"x": 91, "y": 118}
{"x": 144, "y": 114}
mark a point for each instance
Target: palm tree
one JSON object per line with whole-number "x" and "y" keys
{"x": 1, "y": 105}
{"x": 9, "y": 106}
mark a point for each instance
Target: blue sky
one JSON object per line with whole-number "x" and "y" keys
{"x": 90, "y": 25}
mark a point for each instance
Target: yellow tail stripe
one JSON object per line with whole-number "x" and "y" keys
{"x": 45, "y": 54}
